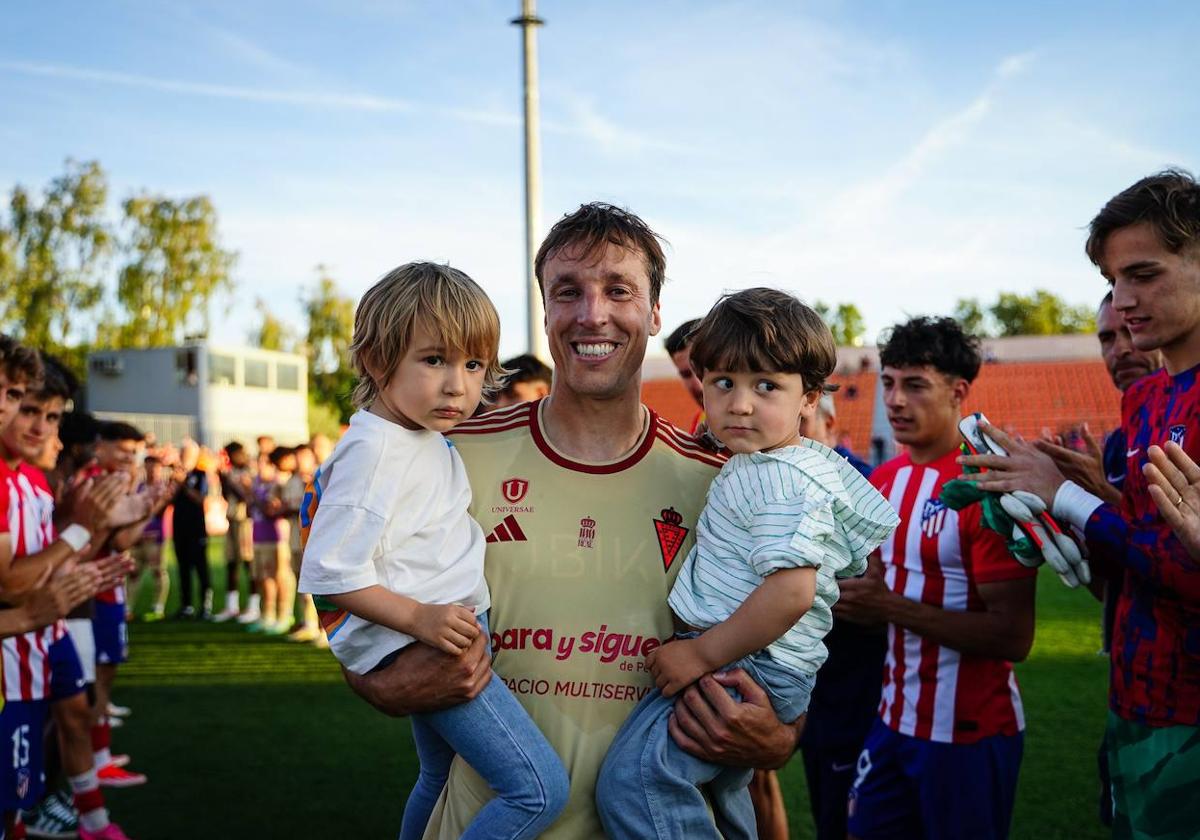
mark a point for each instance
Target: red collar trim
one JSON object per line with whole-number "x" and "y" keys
{"x": 556, "y": 457}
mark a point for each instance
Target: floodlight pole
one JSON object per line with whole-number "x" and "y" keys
{"x": 536, "y": 334}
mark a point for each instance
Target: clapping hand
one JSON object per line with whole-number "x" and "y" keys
{"x": 1174, "y": 482}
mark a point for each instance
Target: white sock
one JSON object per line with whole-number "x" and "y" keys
{"x": 101, "y": 758}
{"x": 253, "y": 605}
{"x": 231, "y": 602}
{"x": 86, "y": 792}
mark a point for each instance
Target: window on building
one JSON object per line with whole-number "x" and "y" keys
{"x": 257, "y": 374}
{"x": 185, "y": 367}
{"x": 287, "y": 377}
{"x": 222, "y": 369}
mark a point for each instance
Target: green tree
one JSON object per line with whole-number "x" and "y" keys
{"x": 52, "y": 257}
{"x": 175, "y": 267}
{"x": 330, "y": 317}
{"x": 970, "y": 313}
{"x": 1042, "y": 313}
{"x": 845, "y": 321}
{"x": 271, "y": 333}
{"x": 848, "y": 325}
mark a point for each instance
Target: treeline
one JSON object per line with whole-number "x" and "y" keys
{"x": 1039, "y": 313}
{"x": 73, "y": 278}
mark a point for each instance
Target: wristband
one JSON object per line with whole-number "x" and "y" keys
{"x": 76, "y": 536}
{"x": 1074, "y": 505}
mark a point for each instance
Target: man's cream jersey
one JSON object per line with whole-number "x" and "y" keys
{"x": 580, "y": 560}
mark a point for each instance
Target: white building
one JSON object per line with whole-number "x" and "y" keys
{"x": 212, "y": 394}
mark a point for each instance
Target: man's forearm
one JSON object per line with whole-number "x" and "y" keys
{"x": 421, "y": 679}
{"x": 974, "y": 633}
{"x": 23, "y": 572}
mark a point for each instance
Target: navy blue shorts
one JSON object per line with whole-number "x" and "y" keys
{"x": 112, "y": 637}
{"x": 909, "y": 787}
{"x": 21, "y": 776}
{"x": 66, "y": 671}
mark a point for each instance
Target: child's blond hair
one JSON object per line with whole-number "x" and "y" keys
{"x": 448, "y": 304}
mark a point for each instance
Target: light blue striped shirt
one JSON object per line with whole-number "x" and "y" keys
{"x": 797, "y": 506}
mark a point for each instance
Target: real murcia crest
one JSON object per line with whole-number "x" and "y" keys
{"x": 671, "y": 535}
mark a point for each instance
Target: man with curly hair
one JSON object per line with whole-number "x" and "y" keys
{"x": 959, "y": 611}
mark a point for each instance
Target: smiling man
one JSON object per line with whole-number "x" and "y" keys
{"x": 1146, "y": 243}
{"x": 589, "y": 502}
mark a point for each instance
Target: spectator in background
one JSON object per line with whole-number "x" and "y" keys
{"x": 293, "y": 499}
{"x": 236, "y": 483}
{"x": 284, "y": 460}
{"x": 529, "y": 381}
{"x": 266, "y": 445}
{"x": 270, "y": 543}
{"x": 190, "y": 535}
{"x": 321, "y": 447}
{"x": 148, "y": 552}
{"x": 677, "y": 344}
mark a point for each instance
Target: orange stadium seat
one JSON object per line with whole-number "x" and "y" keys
{"x": 855, "y": 404}
{"x": 670, "y": 400}
{"x": 1025, "y": 397}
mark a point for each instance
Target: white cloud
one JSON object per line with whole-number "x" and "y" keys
{"x": 351, "y": 101}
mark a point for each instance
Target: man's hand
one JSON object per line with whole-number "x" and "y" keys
{"x": 95, "y": 500}
{"x": 448, "y": 627}
{"x": 131, "y": 508}
{"x": 711, "y": 725}
{"x": 57, "y": 592}
{"x": 862, "y": 599}
{"x": 1024, "y": 468}
{"x": 1174, "y": 483}
{"x": 677, "y": 664}
{"x": 113, "y": 568}
{"x": 422, "y": 679}
{"x": 1084, "y": 468}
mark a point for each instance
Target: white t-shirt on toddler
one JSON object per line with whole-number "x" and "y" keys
{"x": 391, "y": 511}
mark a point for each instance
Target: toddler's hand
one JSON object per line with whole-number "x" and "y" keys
{"x": 677, "y": 665}
{"x": 448, "y": 627}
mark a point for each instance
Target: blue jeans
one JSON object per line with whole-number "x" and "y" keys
{"x": 650, "y": 788}
{"x": 495, "y": 735}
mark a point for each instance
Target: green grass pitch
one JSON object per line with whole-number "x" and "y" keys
{"x": 251, "y": 737}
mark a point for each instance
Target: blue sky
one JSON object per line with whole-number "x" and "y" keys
{"x": 893, "y": 154}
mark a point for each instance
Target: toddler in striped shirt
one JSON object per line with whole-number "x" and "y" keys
{"x": 785, "y": 518}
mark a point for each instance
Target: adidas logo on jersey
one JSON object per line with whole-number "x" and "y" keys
{"x": 507, "y": 531}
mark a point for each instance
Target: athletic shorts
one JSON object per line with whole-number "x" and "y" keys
{"x": 66, "y": 670}
{"x": 143, "y": 551}
{"x": 268, "y": 558}
{"x": 910, "y": 787}
{"x": 84, "y": 640}
{"x": 22, "y": 779}
{"x": 112, "y": 637}
{"x": 1154, "y": 772}
{"x": 238, "y": 544}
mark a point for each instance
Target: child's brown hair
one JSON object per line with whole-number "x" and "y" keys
{"x": 764, "y": 330}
